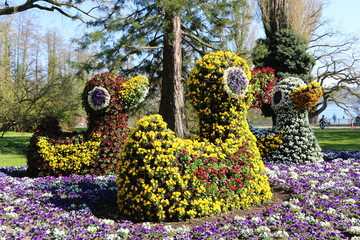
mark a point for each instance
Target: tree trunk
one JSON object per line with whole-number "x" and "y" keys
{"x": 172, "y": 104}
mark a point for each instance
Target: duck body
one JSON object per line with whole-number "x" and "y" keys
{"x": 291, "y": 140}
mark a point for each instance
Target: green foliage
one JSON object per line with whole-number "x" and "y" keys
{"x": 172, "y": 6}
{"x": 286, "y": 53}
{"x": 137, "y": 31}
{"x": 259, "y": 53}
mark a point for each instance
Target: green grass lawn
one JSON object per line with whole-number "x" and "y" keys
{"x": 13, "y": 145}
{"x": 338, "y": 139}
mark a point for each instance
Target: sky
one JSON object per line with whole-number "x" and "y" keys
{"x": 344, "y": 14}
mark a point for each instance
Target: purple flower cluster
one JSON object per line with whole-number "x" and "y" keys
{"x": 237, "y": 80}
{"x": 98, "y": 97}
{"x": 325, "y": 204}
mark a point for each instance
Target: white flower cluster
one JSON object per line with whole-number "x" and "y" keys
{"x": 299, "y": 143}
{"x": 170, "y": 230}
{"x": 355, "y": 230}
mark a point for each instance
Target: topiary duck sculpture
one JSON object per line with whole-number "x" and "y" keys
{"x": 107, "y": 98}
{"x": 164, "y": 178}
{"x": 291, "y": 140}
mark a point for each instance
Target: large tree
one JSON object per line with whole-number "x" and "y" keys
{"x": 156, "y": 37}
{"x": 289, "y": 27}
{"x": 337, "y": 70}
{"x": 301, "y": 16}
{"x": 286, "y": 52}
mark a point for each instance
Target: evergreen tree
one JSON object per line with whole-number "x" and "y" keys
{"x": 286, "y": 53}
{"x": 155, "y": 38}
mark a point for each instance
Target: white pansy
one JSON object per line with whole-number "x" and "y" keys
{"x": 331, "y": 211}
{"x": 354, "y": 221}
{"x": 355, "y": 230}
{"x": 9, "y": 209}
{"x": 246, "y": 231}
{"x": 255, "y": 220}
{"x": 238, "y": 218}
{"x": 112, "y": 237}
{"x": 262, "y": 229}
{"x": 147, "y": 225}
{"x": 123, "y": 232}
{"x": 59, "y": 233}
{"x": 281, "y": 234}
{"x": 300, "y": 215}
{"x": 91, "y": 229}
{"x": 107, "y": 221}
{"x": 311, "y": 219}
{"x": 12, "y": 215}
{"x": 326, "y": 225}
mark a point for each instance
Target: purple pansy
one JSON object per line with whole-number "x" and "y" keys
{"x": 235, "y": 82}
{"x": 324, "y": 204}
{"x": 98, "y": 98}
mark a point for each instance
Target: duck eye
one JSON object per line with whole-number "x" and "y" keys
{"x": 277, "y": 97}
{"x": 98, "y": 98}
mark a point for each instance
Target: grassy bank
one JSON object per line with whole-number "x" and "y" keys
{"x": 338, "y": 139}
{"x": 13, "y": 145}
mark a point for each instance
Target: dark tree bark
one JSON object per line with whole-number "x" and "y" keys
{"x": 172, "y": 104}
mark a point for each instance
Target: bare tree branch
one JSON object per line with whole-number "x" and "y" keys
{"x": 54, "y": 6}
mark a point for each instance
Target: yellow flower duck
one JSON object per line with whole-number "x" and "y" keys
{"x": 164, "y": 178}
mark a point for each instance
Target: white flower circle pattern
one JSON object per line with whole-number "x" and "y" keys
{"x": 235, "y": 82}
{"x": 98, "y": 98}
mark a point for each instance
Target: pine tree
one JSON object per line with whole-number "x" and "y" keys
{"x": 155, "y": 38}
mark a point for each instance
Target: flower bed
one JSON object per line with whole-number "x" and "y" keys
{"x": 324, "y": 204}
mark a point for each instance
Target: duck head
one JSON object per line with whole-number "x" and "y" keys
{"x": 107, "y": 93}
{"x": 219, "y": 90}
{"x": 292, "y": 95}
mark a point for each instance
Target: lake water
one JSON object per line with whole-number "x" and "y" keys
{"x": 341, "y": 117}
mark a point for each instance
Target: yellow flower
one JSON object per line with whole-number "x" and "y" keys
{"x": 70, "y": 157}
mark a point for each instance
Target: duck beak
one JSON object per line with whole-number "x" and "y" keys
{"x": 306, "y": 97}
